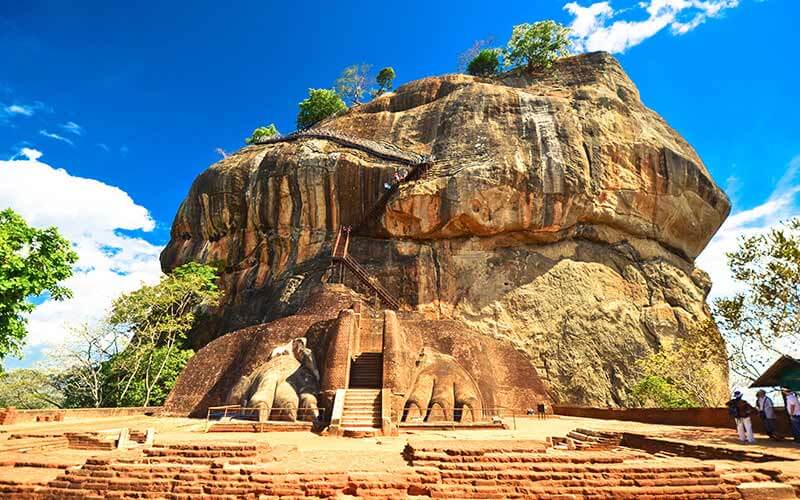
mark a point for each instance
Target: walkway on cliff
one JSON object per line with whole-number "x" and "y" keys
{"x": 419, "y": 165}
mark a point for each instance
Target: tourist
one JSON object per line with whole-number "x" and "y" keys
{"x": 793, "y": 409}
{"x": 766, "y": 411}
{"x": 741, "y": 410}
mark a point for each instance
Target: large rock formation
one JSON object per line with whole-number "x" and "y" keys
{"x": 560, "y": 216}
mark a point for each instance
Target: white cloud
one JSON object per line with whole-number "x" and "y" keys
{"x": 56, "y": 137}
{"x": 103, "y": 147}
{"x": 19, "y": 109}
{"x": 600, "y": 27}
{"x": 72, "y": 127}
{"x": 782, "y": 204}
{"x": 9, "y": 111}
{"x": 91, "y": 215}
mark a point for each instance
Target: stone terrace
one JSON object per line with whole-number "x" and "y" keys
{"x": 514, "y": 463}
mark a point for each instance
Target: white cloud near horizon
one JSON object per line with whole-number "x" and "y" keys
{"x": 782, "y": 204}
{"x": 56, "y": 137}
{"x": 599, "y": 27}
{"x": 92, "y": 215}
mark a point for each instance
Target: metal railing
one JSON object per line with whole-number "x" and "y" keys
{"x": 453, "y": 417}
{"x": 250, "y": 414}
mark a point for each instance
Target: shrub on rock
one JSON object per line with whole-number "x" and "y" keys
{"x": 320, "y": 104}
{"x": 262, "y": 133}
{"x": 486, "y": 63}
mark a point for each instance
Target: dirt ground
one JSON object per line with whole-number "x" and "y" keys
{"x": 305, "y": 451}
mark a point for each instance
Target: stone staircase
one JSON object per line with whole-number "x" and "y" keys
{"x": 366, "y": 371}
{"x": 362, "y": 410}
{"x": 522, "y": 469}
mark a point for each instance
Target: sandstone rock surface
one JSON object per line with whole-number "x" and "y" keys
{"x": 560, "y": 215}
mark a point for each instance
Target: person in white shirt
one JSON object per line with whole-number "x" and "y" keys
{"x": 793, "y": 409}
{"x": 740, "y": 410}
{"x": 766, "y": 410}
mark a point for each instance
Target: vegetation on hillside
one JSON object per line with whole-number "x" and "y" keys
{"x": 537, "y": 45}
{"x": 320, "y": 104}
{"x": 762, "y": 320}
{"x": 682, "y": 374}
{"x": 385, "y": 80}
{"x": 32, "y": 262}
{"x": 486, "y": 63}
{"x": 262, "y": 133}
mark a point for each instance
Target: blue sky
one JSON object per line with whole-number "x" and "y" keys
{"x": 132, "y": 100}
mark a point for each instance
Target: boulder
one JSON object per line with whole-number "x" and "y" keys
{"x": 559, "y": 215}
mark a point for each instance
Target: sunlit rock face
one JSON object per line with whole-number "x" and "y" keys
{"x": 560, "y": 215}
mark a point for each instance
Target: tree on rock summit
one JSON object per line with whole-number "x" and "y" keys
{"x": 385, "y": 81}
{"x": 320, "y": 104}
{"x": 537, "y": 45}
{"x": 486, "y": 63}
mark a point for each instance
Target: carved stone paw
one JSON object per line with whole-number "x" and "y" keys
{"x": 282, "y": 388}
{"x": 442, "y": 391}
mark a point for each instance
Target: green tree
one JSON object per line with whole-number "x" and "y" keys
{"x": 486, "y": 63}
{"x": 471, "y": 53}
{"x": 762, "y": 321}
{"x": 385, "y": 80}
{"x": 353, "y": 83}
{"x": 653, "y": 391}
{"x": 32, "y": 262}
{"x": 262, "y": 133}
{"x": 687, "y": 372}
{"x": 30, "y": 389}
{"x": 157, "y": 319}
{"x": 144, "y": 390}
{"x": 320, "y": 104}
{"x": 537, "y": 45}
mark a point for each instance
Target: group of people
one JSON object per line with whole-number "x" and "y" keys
{"x": 742, "y": 411}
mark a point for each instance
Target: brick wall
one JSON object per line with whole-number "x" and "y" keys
{"x": 73, "y": 413}
{"x": 701, "y": 417}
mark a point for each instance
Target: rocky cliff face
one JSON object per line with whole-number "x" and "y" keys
{"x": 560, "y": 215}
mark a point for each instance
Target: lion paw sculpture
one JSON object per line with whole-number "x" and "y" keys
{"x": 283, "y": 388}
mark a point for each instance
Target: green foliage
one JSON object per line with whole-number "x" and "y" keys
{"x": 353, "y": 83}
{"x": 30, "y": 389}
{"x": 262, "y": 133}
{"x": 763, "y": 320}
{"x": 143, "y": 391}
{"x": 32, "y": 262}
{"x": 687, "y": 372}
{"x": 385, "y": 80}
{"x": 320, "y": 104}
{"x": 471, "y": 53}
{"x": 157, "y": 319}
{"x": 653, "y": 391}
{"x": 486, "y": 63}
{"x": 537, "y": 45}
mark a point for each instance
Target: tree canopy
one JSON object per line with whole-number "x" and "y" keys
{"x": 320, "y": 104}
{"x": 537, "y": 45}
{"x": 762, "y": 320}
{"x": 354, "y": 83}
{"x": 30, "y": 389}
{"x": 156, "y": 319}
{"x": 385, "y": 80}
{"x": 486, "y": 63}
{"x": 262, "y": 133}
{"x": 32, "y": 262}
